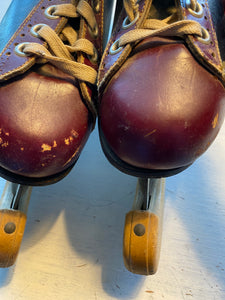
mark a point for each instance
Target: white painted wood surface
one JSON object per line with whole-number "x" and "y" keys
{"x": 72, "y": 247}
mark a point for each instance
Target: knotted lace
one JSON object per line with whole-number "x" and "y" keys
{"x": 61, "y": 50}
{"x": 154, "y": 27}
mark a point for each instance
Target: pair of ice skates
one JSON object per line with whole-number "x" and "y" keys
{"x": 155, "y": 82}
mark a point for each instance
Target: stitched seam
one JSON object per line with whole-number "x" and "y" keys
{"x": 21, "y": 27}
{"x": 108, "y": 46}
{"x": 5, "y": 74}
{"x": 214, "y": 34}
{"x": 29, "y": 62}
{"x": 115, "y": 67}
{"x": 101, "y": 81}
{"x": 197, "y": 52}
{"x": 200, "y": 55}
{"x": 125, "y": 52}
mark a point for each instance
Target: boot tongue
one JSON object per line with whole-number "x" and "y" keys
{"x": 162, "y": 9}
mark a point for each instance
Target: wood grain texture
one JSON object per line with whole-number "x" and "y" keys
{"x": 12, "y": 226}
{"x": 141, "y": 242}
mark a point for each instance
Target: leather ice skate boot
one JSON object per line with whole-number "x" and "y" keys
{"x": 161, "y": 85}
{"x": 50, "y": 51}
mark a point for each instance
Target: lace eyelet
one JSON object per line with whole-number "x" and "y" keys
{"x": 198, "y": 13}
{"x": 34, "y": 30}
{"x": 96, "y": 5}
{"x": 115, "y": 48}
{"x": 126, "y": 24}
{"x": 49, "y": 12}
{"x": 94, "y": 32}
{"x": 93, "y": 58}
{"x": 205, "y": 39}
{"x": 19, "y": 49}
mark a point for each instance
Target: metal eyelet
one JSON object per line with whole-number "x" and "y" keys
{"x": 93, "y": 58}
{"x": 19, "y": 49}
{"x": 205, "y": 39}
{"x": 96, "y": 5}
{"x": 49, "y": 12}
{"x": 94, "y": 32}
{"x": 126, "y": 23}
{"x": 115, "y": 48}
{"x": 198, "y": 13}
{"x": 34, "y": 30}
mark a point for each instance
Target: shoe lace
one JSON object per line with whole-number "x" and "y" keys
{"x": 61, "y": 50}
{"x": 167, "y": 27}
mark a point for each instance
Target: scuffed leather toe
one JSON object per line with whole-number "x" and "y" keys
{"x": 43, "y": 125}
{"x": 162, "y": 109}
{"x": 161, "y": 86}
{"x": 49, "y": 55}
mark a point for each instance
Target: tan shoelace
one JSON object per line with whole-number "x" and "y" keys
{"x": 153, "y": 27}
{"x": 63, "y": 55}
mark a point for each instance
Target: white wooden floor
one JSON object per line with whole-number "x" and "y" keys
{"x": 72, "y": 247}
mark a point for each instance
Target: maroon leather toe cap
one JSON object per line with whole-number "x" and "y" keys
{"x": 43, "y": 125}
{"x": 162, "y": 109}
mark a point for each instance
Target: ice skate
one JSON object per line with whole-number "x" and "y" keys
{"x": 161, "y": 105}
{"x": 50, "y": 53}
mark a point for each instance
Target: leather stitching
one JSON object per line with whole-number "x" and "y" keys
{"x": 104, "y": 77}
{"x": 29, "y": 61}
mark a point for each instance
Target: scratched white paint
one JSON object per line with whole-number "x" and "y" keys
{"x": 72, "y": 247}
